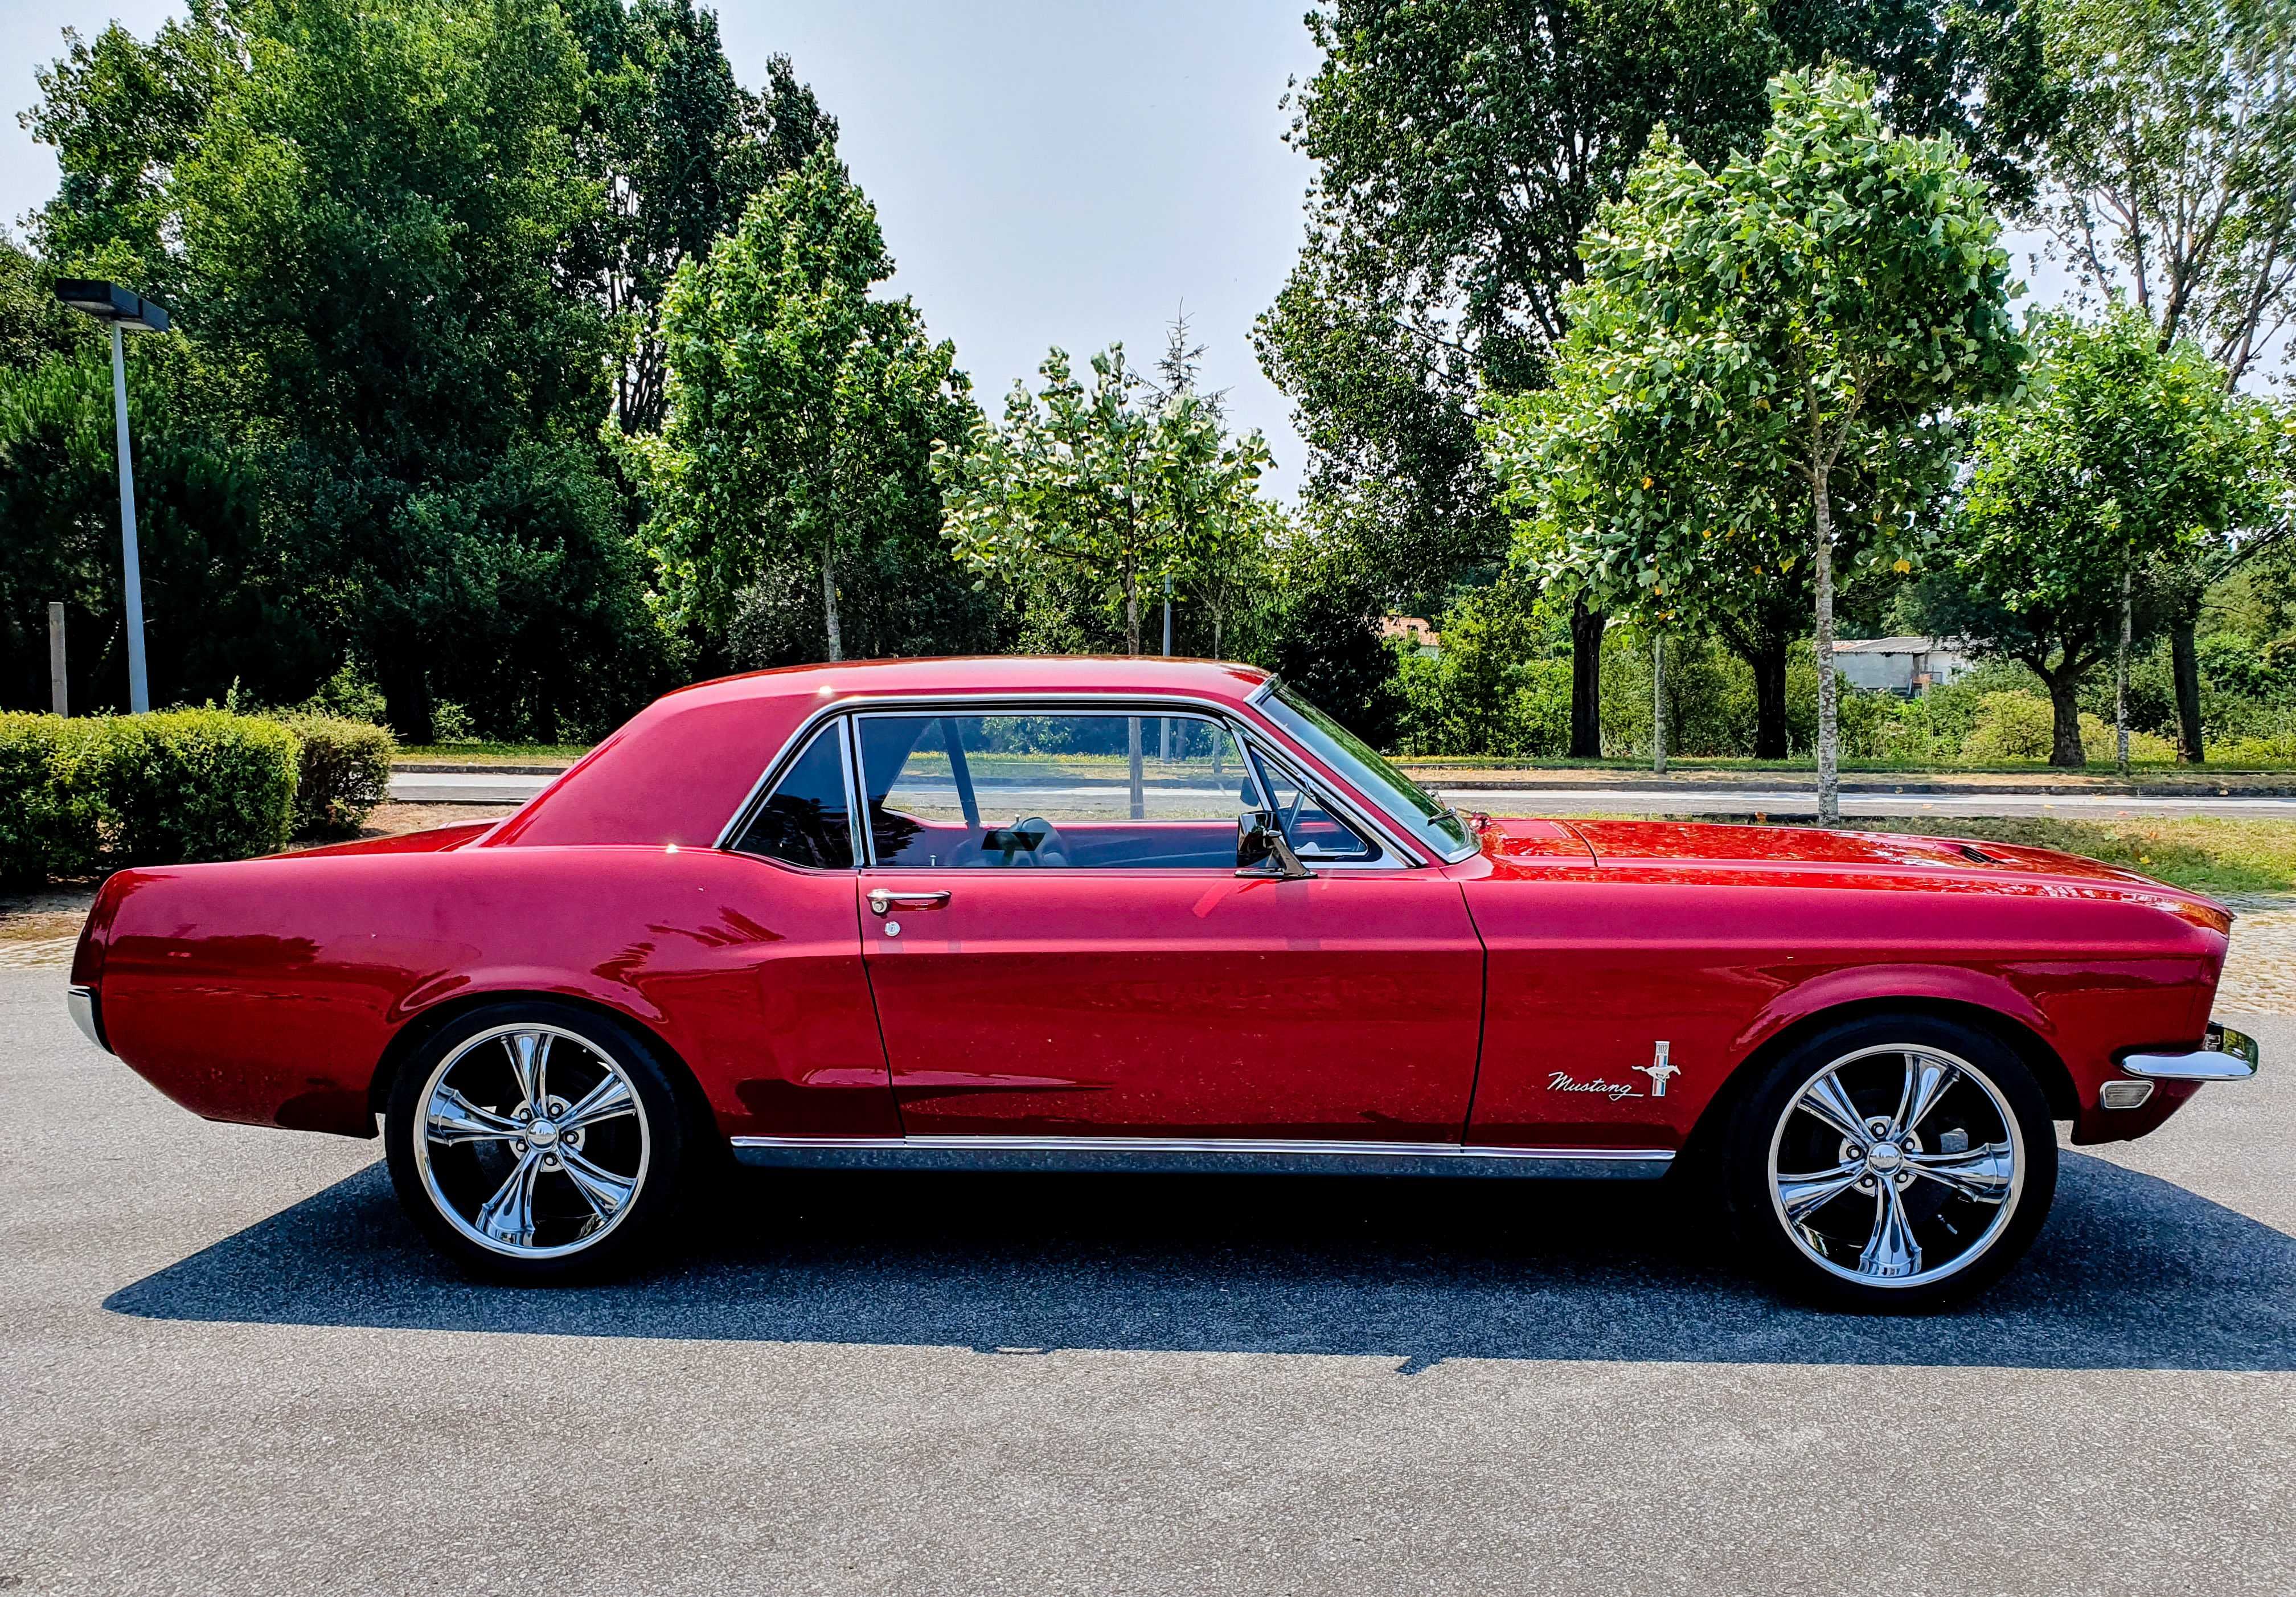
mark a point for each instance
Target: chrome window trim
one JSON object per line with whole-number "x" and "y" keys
{"x": 779, "y": 767}
{"x": 1255, "y": 701}
{"x": 1390, "y": 856}
{"x": 1198, "y": 710}
{"x": 1202, "y": 1155}
{"x": 1096, "y": 701}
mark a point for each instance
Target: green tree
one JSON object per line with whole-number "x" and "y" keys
{"x": 123, "y": 115}
{"x": 33, "y": 324}
{"x": 1461, "y": 149}
{"x": 1463, "y": 146}
{"x": 1094, "y": 481}
{"x": 680, "y": 148}
{"x": 2119, "y": 457}
{"x": 363, "y": 215}
{"x": 803, "y": 411}
{"x": 2173, "y": 176}
{"x": 2174, "y": 181}
{"x": 1803, "y": 320}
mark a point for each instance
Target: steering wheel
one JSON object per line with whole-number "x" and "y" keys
{"x": 1049, "y": 843}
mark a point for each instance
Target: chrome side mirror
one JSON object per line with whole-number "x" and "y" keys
{"x": 1261, "y": 849}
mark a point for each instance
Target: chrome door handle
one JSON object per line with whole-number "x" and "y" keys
{"x": 882, "y": 898}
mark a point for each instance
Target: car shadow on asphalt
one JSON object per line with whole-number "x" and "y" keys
{"x": 2131, "y": 1272}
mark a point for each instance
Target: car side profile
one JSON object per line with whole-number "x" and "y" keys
{"x": 1117, "y": 914}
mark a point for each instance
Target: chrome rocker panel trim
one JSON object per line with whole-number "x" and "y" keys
{"x": 1204, "y": 1155}
{"x": 2230, "y": 1056}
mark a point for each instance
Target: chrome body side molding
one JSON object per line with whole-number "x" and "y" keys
{"x": 1200, "y": 1156}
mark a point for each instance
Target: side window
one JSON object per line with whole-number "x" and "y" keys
{"x": 1314, "y": 832}
{"x": 804, "y": 820}
{"x": 1073, "y": 790}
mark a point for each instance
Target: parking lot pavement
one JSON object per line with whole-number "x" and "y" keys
{"x": 227, "y": 1366}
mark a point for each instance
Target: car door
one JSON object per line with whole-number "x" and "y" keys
{"x": 1059, "y": 942}
{"x": 813, "y": 1064}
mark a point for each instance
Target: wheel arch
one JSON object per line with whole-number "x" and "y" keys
{"x": 428, "y": 1022}
{"x": 2056, "y": 1080}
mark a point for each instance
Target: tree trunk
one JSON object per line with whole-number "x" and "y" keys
{"x": 1131, "y": 614}
{"x": 1829, "y": 736}
{"x": 828, "y": 598}
{"x": 2121, "y": 678}
{"x": 2184, "y": 657}
{"x": 1768, "y": 664}
{"x": 2064, "y": 708}
{"x": 406, "y": 702}
{"x": 1585, "y": 681}
{"x": 1658, "y": 704}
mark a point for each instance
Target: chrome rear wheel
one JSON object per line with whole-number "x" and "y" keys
{"x": 533, "y": 1143}
{"x": 532, "y": 1137}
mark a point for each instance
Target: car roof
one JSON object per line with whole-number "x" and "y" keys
{"x": 678, "y": 768}
{"x": 1224, "y": 680}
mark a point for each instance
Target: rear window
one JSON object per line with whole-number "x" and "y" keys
{"x": 805, "y": 819}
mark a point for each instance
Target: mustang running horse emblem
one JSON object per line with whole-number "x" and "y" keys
{"x": 1660, "y": 1071}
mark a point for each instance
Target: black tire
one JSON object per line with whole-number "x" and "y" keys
{"x": 575, "y": 1231}
{"x": 1937, "y": 1239}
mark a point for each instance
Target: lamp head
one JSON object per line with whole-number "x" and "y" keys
{"x": 109, "y": 302}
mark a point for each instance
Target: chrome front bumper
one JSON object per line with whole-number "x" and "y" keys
{"x": 2227, "y": 1056}
{"x": 81, "y": 1002}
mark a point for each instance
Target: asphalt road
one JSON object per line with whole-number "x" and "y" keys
{"x": 478, "y": 787}
{"x": 227, "y": 1366}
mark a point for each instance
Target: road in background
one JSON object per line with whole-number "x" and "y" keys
{"x": 227, "y": 1365}
{"x": 477, "y": 787}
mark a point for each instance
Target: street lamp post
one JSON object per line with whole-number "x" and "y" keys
{"x": 125, "y": 311}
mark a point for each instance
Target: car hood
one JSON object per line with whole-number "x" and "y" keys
{"x": 1966, "y": 862}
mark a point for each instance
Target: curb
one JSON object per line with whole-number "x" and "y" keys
{"x": 426, "y": 768}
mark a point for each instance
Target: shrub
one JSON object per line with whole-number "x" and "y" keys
{"x": 100, "y": 792}
{"x": 191, "y": 785}
{"x": 343, "y": 773}
{"x": 2010, "y": 726}
{"x": 47, "y": 822}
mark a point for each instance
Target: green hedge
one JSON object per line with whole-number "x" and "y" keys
{"x": 344, "y": 774}
{"x": 96, "y": 793}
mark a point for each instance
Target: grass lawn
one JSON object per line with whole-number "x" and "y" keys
{"x": 2206, "y": 854}
{"x": 2140, "y": 769}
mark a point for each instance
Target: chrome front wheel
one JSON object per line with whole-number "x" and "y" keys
{"x": 1900, "y": 1162}
{"x": 529, "y": 1138}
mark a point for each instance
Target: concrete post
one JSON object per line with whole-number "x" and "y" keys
{"x": 59, "y": 694}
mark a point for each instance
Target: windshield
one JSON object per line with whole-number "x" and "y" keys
{"x": 1426, "y": 816}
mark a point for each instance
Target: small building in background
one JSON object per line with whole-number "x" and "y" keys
{"x": 1424, "y": 639}
{"x": 1905, "y": 666}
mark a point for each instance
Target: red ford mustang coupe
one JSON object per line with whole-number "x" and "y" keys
{"x": 1152, "y": 915}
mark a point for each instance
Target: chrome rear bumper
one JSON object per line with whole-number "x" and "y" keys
{"x": 81, "y": 1002}
{"x": 2227, "y": 1056}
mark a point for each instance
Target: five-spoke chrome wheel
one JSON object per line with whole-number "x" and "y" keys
{"x": 531, "y": 1139}
{"x": 1896, "y": 1165}
{"x": 1891, "y": 1161}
